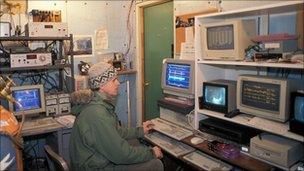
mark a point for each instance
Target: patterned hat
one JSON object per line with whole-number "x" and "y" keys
{"x": 100, "y": 74}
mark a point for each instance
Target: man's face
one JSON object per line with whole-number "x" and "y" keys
{"x": 111, "y": 88}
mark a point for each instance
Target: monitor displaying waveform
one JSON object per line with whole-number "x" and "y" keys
{"x": 178, "y": 75}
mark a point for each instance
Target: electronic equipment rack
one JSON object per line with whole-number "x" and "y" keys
{"x": 61, "y": 62}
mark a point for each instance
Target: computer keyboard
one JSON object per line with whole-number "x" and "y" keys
{"x": 168, "y": 144}
{"x": 41, "y": 123}
{"x": 206, "y": 162}
{"x": 170, "y": 129}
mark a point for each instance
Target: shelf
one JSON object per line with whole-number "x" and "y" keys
{"x": 253, "y": 64}
{"x": 23, "y": 38}
{"x": 62, "y": 81}
{"x": 125, "y": 72}
{"x": 280, "y": 7}
{"x": 258, "y": 123}
{"x": 52, "y": 67}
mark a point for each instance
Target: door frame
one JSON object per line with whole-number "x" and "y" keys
{"x": 140, "y": 55}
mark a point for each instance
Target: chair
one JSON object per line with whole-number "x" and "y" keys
{"x": 59, "y": 163}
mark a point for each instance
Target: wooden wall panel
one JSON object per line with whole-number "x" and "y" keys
{"x": 300, "y": 29}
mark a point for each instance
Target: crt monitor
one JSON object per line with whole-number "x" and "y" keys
{"x": 298, "y": 108}
{"x": 31, "y": 98}
{"x": 178, "y": 77}
{"x": 215, "y": 95}
{"x": 227, "y": 40}
{"x": 265, "y": 96}
{"x": 219, "y": 95}
{"x": 296, "y": 123}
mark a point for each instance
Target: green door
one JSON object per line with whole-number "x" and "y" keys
{"x": 158, "y": 33}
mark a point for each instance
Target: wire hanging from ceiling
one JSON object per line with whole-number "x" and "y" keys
{"x": 129, "y": 28}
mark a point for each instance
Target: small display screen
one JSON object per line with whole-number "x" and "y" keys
{"x": 261, "y": 95}
{"x": 220, "y": 37}
{"x": 215, "y": 95}
{"x": 29, "y": 99}
{"x": 31, "y": 56}
{"x": 48, "y": 26}
{"x": 178, "y": 75}
{"x": 299, "y": 108}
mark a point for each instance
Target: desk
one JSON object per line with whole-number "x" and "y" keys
{"x": 243, "y": 161}
{"x": 59, "y": 141}
{"x": 41, "y": 130}
{"x": 57, "y": 136}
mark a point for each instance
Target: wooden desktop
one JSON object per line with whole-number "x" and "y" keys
{"x": 242, "y": 161}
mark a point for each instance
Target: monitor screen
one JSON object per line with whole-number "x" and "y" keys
{"x": 261, "y": 95}
{"x": 28, "y": 98}
{"x": 299, "y": 108}
{"x": 220, "y": 37}
{"x": 178, "y": 75}
{"x": 215, "y": 95}
{"x": 31, "y": 99}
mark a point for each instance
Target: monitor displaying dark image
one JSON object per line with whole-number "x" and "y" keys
{"x": 218, "y": 95}
{"x": 29, "y": 99}
{"x": 215, "y": 95}
{"x": 178, "y": 75}
{"x": 299, "y": 108}
{"x": 296, "y": 123}
{"x": 266, "y": 96}
{"x": 261, "y": 95}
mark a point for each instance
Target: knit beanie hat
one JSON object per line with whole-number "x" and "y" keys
{"x": 100, "y": 74}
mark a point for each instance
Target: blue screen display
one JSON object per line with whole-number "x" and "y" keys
{"x": 299, "y": 108}
{"x": 29, "y": 99}
{"x": 215, "y": 95}
{"x": 178, "y": 75}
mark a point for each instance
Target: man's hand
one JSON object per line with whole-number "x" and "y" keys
{"x": 157, "y": 152}
{"x": 147, "y": 126}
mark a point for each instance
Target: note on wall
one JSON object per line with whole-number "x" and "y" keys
{"x": 101, "y": 42}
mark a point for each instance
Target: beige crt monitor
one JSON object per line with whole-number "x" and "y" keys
{"x": 31, "y": 98}
{"x": 266, "y": 96}
{"x": 227, "y": 40}
{"x": 178, "y": 77}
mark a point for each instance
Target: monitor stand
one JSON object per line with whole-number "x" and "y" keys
{"x": 187, "y": 100}
{"x": 175, "y": 108}
{"x": 176, "y": 117}
{"x": 31, "y": 117}
{"x": 182, "y": 107}
{"x": 178, "y": 94}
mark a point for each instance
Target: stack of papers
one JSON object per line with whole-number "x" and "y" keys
{"x": 66, "y": 120}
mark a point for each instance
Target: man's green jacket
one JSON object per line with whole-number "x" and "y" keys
{"x": 98, "y": 141}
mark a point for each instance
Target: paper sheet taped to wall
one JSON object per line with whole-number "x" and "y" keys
{"x": 101, "y": 39}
